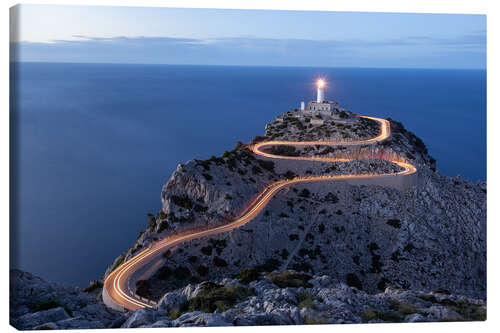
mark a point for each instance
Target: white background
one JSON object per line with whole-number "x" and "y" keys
{"x": 421, "y": 6}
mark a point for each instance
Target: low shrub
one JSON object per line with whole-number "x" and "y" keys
{"x": 382, "y": 283}
{"x": 428, "y": 298}
{"x": 330, "y": 197}
{"x": 305, "y": 300}
{"x": 192, "y": 259}
{"x": 369, "y": 314}
{"x": 288, "y": 279}
{"x": 219, "y": 262}
{"x": 143, "y": 288}
{"x": 207, "y": 250}
{"x": 164, "y": 273}
{"x": 395, "y": 223}
{"x": 305, "y": 193}
{"x": 51, "y": 304}
{"x": 183, "y": 202}
{"x": 216, "y": 297}
{"x": 256, "y": 170}
{"x": 314, "y": 320}
{"x": 403, "y": 308}
{"x": 93, "y": 285}
{"x": 266, "y": 165}
{"x": 202, "y": 270}
{"x": 269, "y": 265}
{"x": 200, "y": 208}
{"x": 284, "y": 254}
{"x": 442, "y": 291}
{"x": 389, "y": 316}
{"x": 182, "y": 273}
{"x": 152, "y": 221}
{"x": 352, "y": 280}
{"x": 248, "y": 275}
{"x": 178, "y": 311}
{"x": 469, "y": 311}
{"x": 163, "y": 226}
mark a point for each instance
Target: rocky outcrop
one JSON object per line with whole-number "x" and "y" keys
{"x": 37, "y": 304}
{"x": 277, "y": 298}
{"x": 273, "y": 300}
{"x": 326, "y": 252}
{"x": 321, "y": 299}
{"x": 432, "y": 235}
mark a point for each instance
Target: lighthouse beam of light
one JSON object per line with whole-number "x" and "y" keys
{"x": 321, "y": 93}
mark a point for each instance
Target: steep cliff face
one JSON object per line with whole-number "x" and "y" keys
{"x": 427, "y": 237}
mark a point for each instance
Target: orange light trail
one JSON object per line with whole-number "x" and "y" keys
{"x": 116, "y": 284}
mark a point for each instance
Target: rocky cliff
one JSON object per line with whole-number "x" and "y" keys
{"x": 427, "y": 237}
{"x": 326, "y": 252}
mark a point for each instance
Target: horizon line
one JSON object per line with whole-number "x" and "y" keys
{"x": 270, "y": 66}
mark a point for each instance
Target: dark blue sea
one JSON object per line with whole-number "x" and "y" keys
{"x": 92, "y": 144}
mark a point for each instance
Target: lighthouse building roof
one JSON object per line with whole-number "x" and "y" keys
{"x": 323, "y": 106}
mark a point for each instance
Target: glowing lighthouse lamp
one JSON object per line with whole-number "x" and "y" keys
{"x": 321, "y": 92}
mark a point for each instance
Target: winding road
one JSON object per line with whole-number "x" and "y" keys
{"x": 118, "y": 293}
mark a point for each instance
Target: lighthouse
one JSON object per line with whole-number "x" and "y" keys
{"x": 320, "y": 107}
{"x": 321, "y": 91}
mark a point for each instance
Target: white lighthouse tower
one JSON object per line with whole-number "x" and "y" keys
{"x": 321, "y": 91}
{"x": 321, "y": 110}
{"x": 321, "y": 107}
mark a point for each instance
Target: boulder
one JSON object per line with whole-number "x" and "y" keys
{"x": 162, "y": 323}
{"x": 141, "y": 317}
{"x": 31, "y": 320}
{"x": 415, "y": 318}
{"x": 79, "y": 323}
{"x": 118, "y": 322}
{"x": 442, "y": 313}
{"x": 188, "y": 291}
{"x": 198, "y": 318}
{"x": 171, "y": 301}
{"x": 262, "y": 319}
{"x": 46, "y": 326}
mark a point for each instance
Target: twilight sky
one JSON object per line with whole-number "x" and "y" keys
{"x": 248, "y": 37}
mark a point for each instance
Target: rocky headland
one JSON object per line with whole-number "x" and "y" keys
{"x": 326, "y": 252}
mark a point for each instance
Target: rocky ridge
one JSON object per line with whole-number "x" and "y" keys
{"x": 367, "y": 249}
{"x": 428, "y": 237}
{"x": 285, "y": 298}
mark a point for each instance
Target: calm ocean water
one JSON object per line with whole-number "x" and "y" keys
{"x": 96, "y": 142}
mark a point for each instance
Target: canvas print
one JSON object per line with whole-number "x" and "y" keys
{"x": 179, "y": 167}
